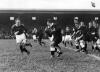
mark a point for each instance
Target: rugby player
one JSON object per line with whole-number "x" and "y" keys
{"x": 89, "y": 38}
{"x": 40, "y": 35}
{"x": 34, "y": 32}
{"x": 95, "y": 35}
{"x": 55, "y": 36}
{"x": 20, "y": 33}
{"x": 76, "y": 32}
{"x": 97, "y": 45}
{"x": 68, "y": 33}
{"x": 83, "y": 35}
{"x": 63, "y": 36}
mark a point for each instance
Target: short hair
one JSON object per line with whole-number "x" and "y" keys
{"x": 50, "y": 20}
{"x": 76, "y": 18}
{"x": 17, "y": 19}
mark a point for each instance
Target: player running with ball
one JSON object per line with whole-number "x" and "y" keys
{"x": 19, "y": 31}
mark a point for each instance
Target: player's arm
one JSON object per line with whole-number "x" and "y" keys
{"x": 26, "y": 32}
{"x": 13, "y": 30}
{"x": 74, "y": 32}
{"x": 81, "y": 36}
{"x": 24, "y": 29}
{"x": 78, "y": 38}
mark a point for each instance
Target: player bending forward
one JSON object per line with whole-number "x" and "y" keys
{"x": 55, "y": 37}
{"x": 20, "y": 33}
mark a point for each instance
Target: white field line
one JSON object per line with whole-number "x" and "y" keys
{"x": 91, "y": 55}
{"x": 94, "y": 56}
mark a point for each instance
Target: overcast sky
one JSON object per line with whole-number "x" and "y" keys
{"x": 48, "y": 4}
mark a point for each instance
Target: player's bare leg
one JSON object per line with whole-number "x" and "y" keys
{"x": 52, "y": 51}
{"x": 83, "y": 46}
{"x": 58, "y": 49}
{"x": 28, "y": 43}
{"x": 23, "y": 49}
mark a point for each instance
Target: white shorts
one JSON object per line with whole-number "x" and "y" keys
{"x": 21, "y": 38}
{"x": 52, "y": 48}
{"x": 51, "y": 38}
{"x": 98, "y": 43}
{"x": 34, "y": 37}
{"x": 82, "y": 43}
{"x": 63, "y": 38}
{"x": 68, "y": 38}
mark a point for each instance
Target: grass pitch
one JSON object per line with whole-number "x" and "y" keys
{"x": 11, "y": 60}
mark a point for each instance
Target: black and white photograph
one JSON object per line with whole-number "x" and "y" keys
{"x": 49, "y": 35}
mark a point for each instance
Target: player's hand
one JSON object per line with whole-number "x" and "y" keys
{"x": 16, "y": 32}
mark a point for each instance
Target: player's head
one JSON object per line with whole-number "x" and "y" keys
{"x": 50, "y": 22}
{"x": 67, "y": 28}
{"x": 76, "y": 19}
{"x": 18, "y": 22}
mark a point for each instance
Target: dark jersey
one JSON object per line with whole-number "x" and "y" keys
{"x": 80, "y": 32}
{"x": 93, "y": 31}
{"x": 40, "y": 34}
{"x": 57, "y": 35}
{"x": 68, "y": 32}
{"x": 92, "y": 34}
{"x": 56, "y": 32}
{"x": 48, "y": 31}
{"x": 75, "y": 29}
{"x": 20, "y": 29}
{"x": 83, "y": 30}
{"x": 77, "y": 32}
